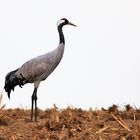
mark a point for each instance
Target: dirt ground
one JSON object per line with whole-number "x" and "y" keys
{"x": 71, "y": 124}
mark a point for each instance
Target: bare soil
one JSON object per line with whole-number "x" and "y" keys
{"x": 71, "y": 124}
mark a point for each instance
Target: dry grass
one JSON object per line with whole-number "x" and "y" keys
{"x": 71, "y": 124}
{"x": 1, "y": 106}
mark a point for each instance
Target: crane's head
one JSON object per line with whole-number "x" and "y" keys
{"x": 63, "y": 22}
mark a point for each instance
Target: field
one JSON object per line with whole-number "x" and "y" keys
{"x": 71, "y": 124}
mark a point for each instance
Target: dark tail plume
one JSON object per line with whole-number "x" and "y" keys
{"x": 11, "y": 81}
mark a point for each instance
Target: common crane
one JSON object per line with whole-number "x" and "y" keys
{"x": 37, "y": 69}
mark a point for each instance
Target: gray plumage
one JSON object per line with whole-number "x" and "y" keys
{"x": 37, "y": 69}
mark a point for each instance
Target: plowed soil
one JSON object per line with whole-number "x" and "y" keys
{"x": 71, "y": 124}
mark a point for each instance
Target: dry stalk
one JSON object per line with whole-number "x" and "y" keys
{"x": 119, "y": 118}
{"x": 1, "y": 106}
{"x": 79, "y": 128}
{"x": 121, "y": 122}
{"x": 134, "y": 116}
{"x": 101, "y": 130}
{"x": 63, "y": 127}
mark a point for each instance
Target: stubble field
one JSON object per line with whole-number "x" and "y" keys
{"x": 71, "y": 124}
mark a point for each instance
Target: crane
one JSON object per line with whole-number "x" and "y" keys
{"x": 37, "y": 69}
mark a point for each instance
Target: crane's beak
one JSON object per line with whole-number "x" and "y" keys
{"x": 72, "y": 24}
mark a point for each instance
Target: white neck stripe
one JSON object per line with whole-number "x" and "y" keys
{"x": 60, "y": 22}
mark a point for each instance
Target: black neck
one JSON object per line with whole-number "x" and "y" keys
{"x": 61, "y": 35}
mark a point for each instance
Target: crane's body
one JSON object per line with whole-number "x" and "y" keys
{"x": 37, "y": 69}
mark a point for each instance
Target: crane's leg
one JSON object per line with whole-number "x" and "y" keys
{"x": 34, "y": 100}
{"x": 36, "y": 105}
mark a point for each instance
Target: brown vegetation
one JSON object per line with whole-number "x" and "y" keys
{"x": 71, "y": 124}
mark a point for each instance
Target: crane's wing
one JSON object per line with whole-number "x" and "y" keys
{"x": 39, "y": 68}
